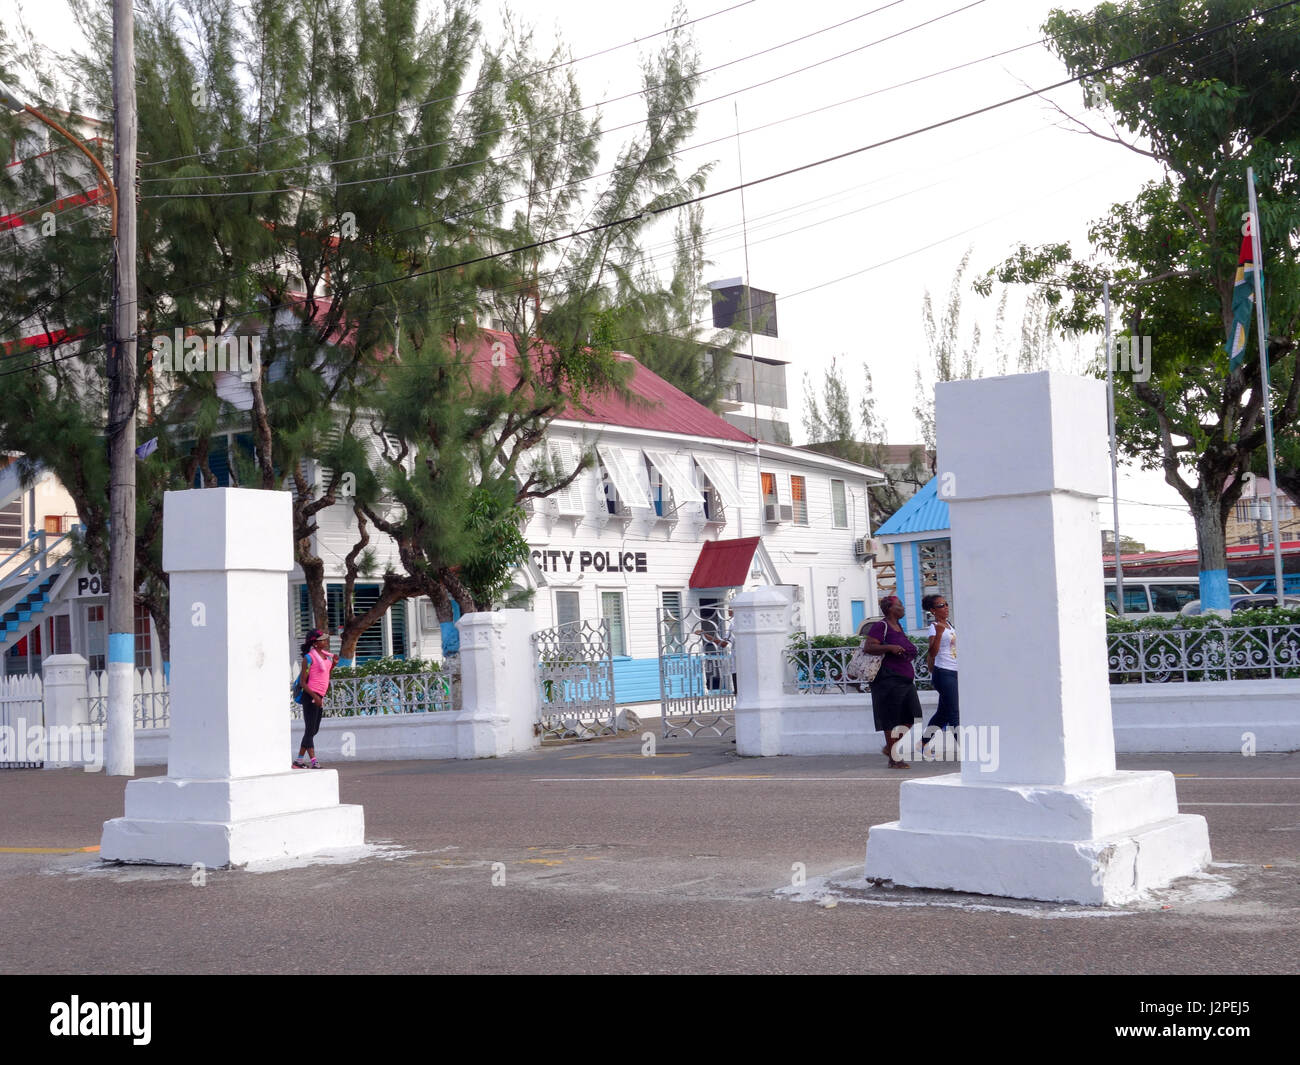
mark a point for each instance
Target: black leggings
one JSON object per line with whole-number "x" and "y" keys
{"x": 313, "y": 707}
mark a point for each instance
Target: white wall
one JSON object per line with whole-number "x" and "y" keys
{"x": 1207, "y": 716}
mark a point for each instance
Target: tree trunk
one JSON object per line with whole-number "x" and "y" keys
{"x": 1212, "y": 554}
{"x": 313, "y": 573}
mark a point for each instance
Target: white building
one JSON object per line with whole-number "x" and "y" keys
{"x": 755, "y": 397}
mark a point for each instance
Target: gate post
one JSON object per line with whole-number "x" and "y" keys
{"x": 67, "y": 712}
{"x": 760, "y": 630}
{"x": 500, "y": 706}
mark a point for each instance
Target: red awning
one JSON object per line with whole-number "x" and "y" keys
{"x": 724, "y": 563}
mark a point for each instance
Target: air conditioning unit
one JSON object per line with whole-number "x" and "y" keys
{"x": 862, "y": 548}
{"x": 776, "y": 513}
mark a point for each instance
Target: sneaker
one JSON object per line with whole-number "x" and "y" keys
{"x": 298, "y": 763}
{"x": 316, "y": 765}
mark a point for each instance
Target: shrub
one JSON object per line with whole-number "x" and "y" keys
{"x": 386, "y": 667}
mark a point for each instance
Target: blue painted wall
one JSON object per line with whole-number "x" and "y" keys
{"x": 636, "y": 680}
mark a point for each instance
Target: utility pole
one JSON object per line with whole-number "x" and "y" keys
{"x": 119, "y": 740}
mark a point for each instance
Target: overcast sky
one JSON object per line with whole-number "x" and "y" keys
{"x": 894, "y": 221}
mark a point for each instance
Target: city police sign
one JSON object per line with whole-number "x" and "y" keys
{"x": 90, "y": 583}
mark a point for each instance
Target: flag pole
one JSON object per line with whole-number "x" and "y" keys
{"x": 1257, "y": 255}
{"x": 1114, "y": 455}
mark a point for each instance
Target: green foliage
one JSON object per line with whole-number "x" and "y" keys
{"x": 386, "y": 667}
{"x": 1240, "y": 619}
{"x": 799, "y": 641}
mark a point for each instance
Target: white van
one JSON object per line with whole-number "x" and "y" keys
{"x": 1160, "y": 597}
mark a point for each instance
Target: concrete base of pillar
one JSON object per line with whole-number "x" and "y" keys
{"x": 223, "y": 823}
{"x": 1101, "y": 841}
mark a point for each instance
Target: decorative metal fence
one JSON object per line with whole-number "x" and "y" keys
{"x": 1211, "y": 653}
{"x": 398, "y": 693}
{"x": 822, "y": 670}
{"x": 575, "y": 674}
{"x": 151, "y": 700}
{"x": 697, "y": 672}
{"x": 22, "y": 705}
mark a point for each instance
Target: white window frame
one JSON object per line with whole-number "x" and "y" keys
{"x": 836, "y": 521}
{"x": 555, "y": 602}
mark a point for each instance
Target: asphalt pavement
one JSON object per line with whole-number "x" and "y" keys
{"x": 592, "y": 857}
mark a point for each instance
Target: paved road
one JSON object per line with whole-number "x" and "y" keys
{"x": 613, "y": 862}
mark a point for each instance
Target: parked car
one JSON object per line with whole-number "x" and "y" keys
{"x": 1253, "y": 601}
{"x": 1161, "y": 597}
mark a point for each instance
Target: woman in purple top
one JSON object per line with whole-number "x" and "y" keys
{"x": 894, "y": 702}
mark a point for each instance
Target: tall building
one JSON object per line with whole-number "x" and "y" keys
{"x": 756, "y": 372}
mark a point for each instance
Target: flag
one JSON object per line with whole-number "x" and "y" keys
{"x": 1243, "y": 303}
{"x": 146, "y": 449}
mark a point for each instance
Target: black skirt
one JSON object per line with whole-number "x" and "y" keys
{"x": 894, "y": 701}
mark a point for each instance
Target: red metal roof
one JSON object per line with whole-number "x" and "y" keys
{"x": 1189, "y": 554}
{"x": 724, "y": 563}
{"x": 655, "y": 405}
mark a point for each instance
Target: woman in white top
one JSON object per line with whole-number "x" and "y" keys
{"x": 942, "y": 659}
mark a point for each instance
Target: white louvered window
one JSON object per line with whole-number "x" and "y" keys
{"x": 568, "y": 500}
{"x": 716, "y": 470}
{"x": 626, "y": 471}
{"x": 674, "y": 472}
{"x": 611, "y": 609}
{"x": 670, "y": 623}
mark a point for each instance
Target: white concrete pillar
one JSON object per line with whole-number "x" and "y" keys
{"x": 760, "y": 631}
{"x": 67, "y": 715}
{"x": 1038, "y": 810}
{"x": 500, "y": 705}
{"x": 229, "y": 796}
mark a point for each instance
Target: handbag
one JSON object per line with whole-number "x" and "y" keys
{"x": 862, "y": 666}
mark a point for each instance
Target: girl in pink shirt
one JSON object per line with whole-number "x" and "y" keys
{"x": 317, "y": 664}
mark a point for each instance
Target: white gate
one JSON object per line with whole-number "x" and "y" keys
{"x": 697, "y": 672}
{"x": 575, "y": 674}
{"x": 22, "y": 705}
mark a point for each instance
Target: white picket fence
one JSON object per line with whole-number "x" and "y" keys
{"x": 22, "y": 704}
{"x": 152, "y": 702}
